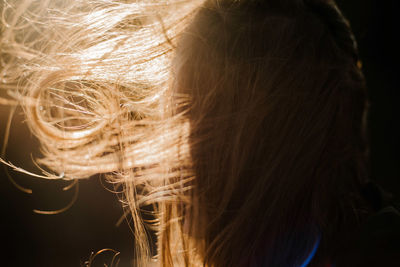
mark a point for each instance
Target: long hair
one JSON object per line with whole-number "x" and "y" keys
{"x": 236, "y": 128}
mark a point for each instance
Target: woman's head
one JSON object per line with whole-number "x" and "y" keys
{"x": 276, "y": 115}
{"x": 237, "y": 124}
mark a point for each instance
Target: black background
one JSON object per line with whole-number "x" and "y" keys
{"x": 67, "y": 239}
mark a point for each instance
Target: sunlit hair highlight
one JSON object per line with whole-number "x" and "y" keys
{"x": 93, "y": 78}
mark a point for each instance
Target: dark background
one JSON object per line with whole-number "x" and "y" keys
{"x": 62, "y": 240}
{"x": 67, "y": 239}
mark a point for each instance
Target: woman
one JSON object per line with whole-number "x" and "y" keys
{"x": 237, "y": 128}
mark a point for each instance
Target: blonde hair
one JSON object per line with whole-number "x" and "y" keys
{"x": 103, "y": 92}
{"x": 93, "y": 79}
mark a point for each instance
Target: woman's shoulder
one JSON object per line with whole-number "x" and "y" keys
{"x": 377, "y": 243}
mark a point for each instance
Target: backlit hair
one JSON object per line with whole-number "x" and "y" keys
{"x": 235, "y": 127}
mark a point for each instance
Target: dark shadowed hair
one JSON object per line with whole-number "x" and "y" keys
{"x": 277, "y": 129}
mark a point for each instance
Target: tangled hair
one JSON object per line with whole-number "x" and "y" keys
{"x": 235, "y": 127}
